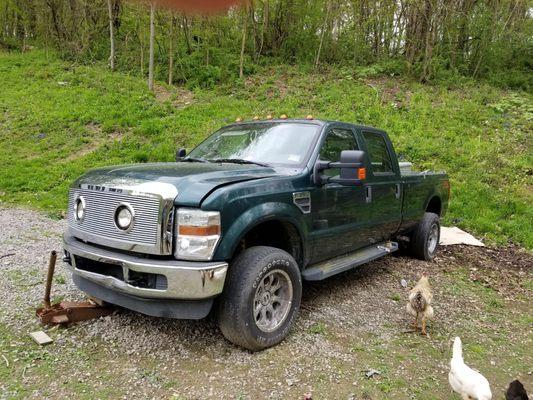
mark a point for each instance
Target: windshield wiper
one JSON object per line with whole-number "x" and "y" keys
{"x": 192, "y": 159}
{"x": 238, "y": 161}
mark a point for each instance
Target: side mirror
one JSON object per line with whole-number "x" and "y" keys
{"x": 180, "y": 154}
{"x": 351, "y": 165}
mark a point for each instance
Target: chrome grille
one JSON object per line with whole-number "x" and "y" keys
{"x": 98, "y": 224}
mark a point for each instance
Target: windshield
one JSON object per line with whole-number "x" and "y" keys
{"x": 274, "y": 143}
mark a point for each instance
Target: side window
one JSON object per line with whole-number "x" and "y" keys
{"x": 378, "y": 152}
{"x": 337, "y": 141}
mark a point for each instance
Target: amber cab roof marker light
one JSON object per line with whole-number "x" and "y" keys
{"x": 269, "y": 116}
{"x": 256, "y": 118}
{"x": 283, "y": 116}
{"x": 309, "y": 116}
{"x": 238, "y": 119}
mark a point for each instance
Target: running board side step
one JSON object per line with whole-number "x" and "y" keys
{"x": 325, "y": 269}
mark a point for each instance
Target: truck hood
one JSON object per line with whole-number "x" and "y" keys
{"x": 190, "y": 180}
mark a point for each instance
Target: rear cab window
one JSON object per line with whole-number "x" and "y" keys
{"x": 378, "y": 153}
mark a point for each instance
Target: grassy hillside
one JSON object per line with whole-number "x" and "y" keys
{"x": 59, "y": 119}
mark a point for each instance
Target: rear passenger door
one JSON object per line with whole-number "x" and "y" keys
{"x": 382, "y": 186}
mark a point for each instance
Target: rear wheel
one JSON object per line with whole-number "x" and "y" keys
{"x": 425, "y": 238}
{"x": 261, "y": 298}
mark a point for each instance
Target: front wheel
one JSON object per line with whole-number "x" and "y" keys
{"x": 261, "y": 298}
{"x": 425, "y": 238}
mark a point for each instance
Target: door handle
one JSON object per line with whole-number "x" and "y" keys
{"x": 368, "y": 194}
{"x": 398, "y": 190}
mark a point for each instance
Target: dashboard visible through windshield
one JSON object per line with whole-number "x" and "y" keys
{"x": 274, "y": 143}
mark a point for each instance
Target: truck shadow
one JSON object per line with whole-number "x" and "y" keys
{"x": 353, "y": 299}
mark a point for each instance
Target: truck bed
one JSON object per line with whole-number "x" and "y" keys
{"x": 419, "y": 188}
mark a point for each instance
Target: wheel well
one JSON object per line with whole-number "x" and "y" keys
{"x": 280, "y": 234}
{"x": 434, "y": 206}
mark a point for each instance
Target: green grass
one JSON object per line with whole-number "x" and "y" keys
{"x": 58, "y": 119}
{"x": 318, "y": 329}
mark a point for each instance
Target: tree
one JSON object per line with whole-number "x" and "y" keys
{"x": 152, "y": 41}
{"x": 171, "y": 49}
{"x": 111, "y": 35}
{"x": 243, "y": 41}
{"x": 472, "y": 37}
{"x": 322, "y": 33}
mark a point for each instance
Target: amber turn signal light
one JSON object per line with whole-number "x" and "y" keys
{"x": 199, "y": 230}
{"x": 361, "y": 173}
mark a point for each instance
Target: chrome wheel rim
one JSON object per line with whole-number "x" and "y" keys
{"x": 272, "y": 300}
{"x": 433, "y": 239}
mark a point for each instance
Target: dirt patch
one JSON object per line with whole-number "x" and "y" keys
{"x": 178, "y": 96}
{"x": 162, "y": 93}
{"x": 182, "y": 98}
{"x": 500, "y": 269}
{"x": 389, "y": 93}
{"x": 98, "y": 138}
{"x": 278, "y": 83}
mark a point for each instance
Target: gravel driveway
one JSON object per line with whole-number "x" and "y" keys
{"x": 348, "y": 325}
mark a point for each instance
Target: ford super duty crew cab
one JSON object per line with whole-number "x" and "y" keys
{"x": 240, "y": 221}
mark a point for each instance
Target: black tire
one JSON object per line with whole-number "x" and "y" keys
{"x": 421, "y": 244}
{"x": 247, "y": 276}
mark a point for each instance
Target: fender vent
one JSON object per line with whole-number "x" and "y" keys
{"x": 302, "y": 200}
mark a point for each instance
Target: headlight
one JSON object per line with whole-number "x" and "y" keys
{"x": 124, "y": 216}
{"x": 79, "y": 208}
{"x": 198, "y": 233}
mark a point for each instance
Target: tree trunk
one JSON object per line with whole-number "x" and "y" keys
{"x": 141, "y": 43}
{"x": 152, "y": 40}
{"x": 171, "y": 50}
{"x": 186, "y": 34}
{"x": 254, "y": 27}
{"x": 111, "y": 35}
{"x": 243, "y": 43}
{"x": 322, "y": 34}
{"x": 263, "y": 28}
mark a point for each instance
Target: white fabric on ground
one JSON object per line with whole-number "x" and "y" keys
{"x": 454, "y": 235}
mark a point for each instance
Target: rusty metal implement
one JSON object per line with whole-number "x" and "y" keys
{"x": 66, "y": 312}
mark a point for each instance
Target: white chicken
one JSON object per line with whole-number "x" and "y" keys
{"x": 470, "y": 384}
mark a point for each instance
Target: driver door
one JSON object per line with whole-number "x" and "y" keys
{"x": 338, "y": 212}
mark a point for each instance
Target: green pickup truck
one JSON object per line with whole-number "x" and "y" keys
{"x": 238, "y": 223}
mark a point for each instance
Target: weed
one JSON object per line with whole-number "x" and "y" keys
{"x": 319, "y": 328}
{"x": 396, "y": 297}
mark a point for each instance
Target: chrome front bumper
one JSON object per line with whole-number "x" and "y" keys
{"x": 185, "y": 280}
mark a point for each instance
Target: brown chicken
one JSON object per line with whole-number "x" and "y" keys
{"x": 419, "y": 304}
